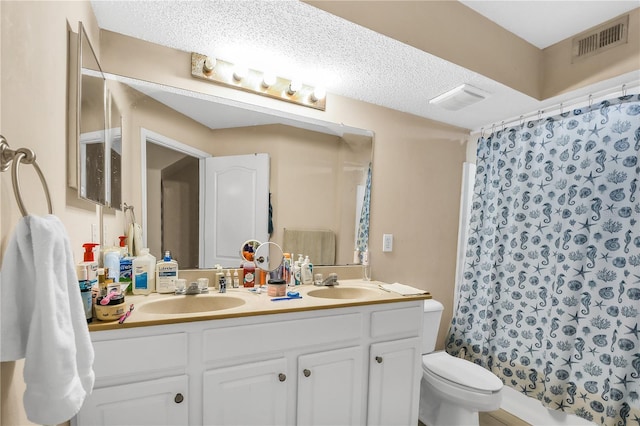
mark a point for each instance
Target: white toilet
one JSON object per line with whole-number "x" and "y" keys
{"x": 452, "y": 390}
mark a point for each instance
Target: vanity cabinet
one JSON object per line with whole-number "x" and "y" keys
{"x": 350, "y": 366}
{"x": 154, "y": 402}
{"x": 247, "y": 394}
{"x": 330, "y": 387}
{"x": 393, "y": 367}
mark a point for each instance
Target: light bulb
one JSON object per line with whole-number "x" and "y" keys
{"x": 318, "y": 94}
{"x": 294, "y": 86}
{"x": 240, "y": 72}
{"x": 209, "y": 64}
{"x": 268, "y": 79}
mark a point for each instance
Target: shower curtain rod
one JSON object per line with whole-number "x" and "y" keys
{"x": 564, "y": 106}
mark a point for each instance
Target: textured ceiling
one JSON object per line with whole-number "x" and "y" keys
{"x": 296, "y": 40}
{"x": 543, "y": 23}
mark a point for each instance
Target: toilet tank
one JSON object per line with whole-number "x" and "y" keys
{"x": 431, "y": 323}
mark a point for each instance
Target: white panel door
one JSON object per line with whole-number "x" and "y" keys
{"x": 247, "y": 394}
{"x": 395, "y": 369}
{"x": 330, "y": 388}
{"x": 236, "y": 206}
{"x": 152, "y": 403}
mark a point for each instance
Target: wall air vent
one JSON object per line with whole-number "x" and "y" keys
{"x": 600, "y": 38}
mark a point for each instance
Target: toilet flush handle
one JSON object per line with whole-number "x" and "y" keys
{"x": 379, "y": 359}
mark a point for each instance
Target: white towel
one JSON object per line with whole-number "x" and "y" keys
{"x": 403, "y": 289}
{"x": 43, "y": 320}
{"x": 134, "y": 239}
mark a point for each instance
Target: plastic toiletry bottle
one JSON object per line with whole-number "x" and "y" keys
{"x": 286, "y": 268}
{"x": 102, "y": 283}
{"x": 85, "y": 291}
{"x": 305, "y": 272}
{"x": 249, "y": 272}
{"x": 365, "y": 266}
{"x": 297, "y": 273}
{"x": 90, "y": 263}
{"x": 166, "y": 274}
{"x": 112, "y": 262}
{"x": 227, "y": 278}
{"x": 126, "y": 265}
{"x": 219, "y": 277}
{"x": 144, "y": 273}
{"x": 236, "y": 279}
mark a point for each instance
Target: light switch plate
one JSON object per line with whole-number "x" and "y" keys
{"x": 387, "y": 242}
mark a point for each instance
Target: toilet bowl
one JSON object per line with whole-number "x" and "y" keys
{"x": 452, "y": 390}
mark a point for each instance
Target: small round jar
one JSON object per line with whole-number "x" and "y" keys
{"x": 276, "y": 288}
{"x": 111, "y": 311}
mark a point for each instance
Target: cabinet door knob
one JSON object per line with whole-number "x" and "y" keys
{"x": 282, "y": 377}
{"x": 306, "y": 372}
{"x": 379, "y": 359}
{"x": 179, "y": 398}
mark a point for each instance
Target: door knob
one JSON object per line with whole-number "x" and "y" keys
{"x": 306, "y": 372}
{"x": 379, "y": 359}
{"x": 282, "y": 377}
{"x": 178, "y": 398}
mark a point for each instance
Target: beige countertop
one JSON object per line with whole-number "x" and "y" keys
{"x": 160, "y": 309}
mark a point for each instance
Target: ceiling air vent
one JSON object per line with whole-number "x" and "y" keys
{"x": 600, "y": 38}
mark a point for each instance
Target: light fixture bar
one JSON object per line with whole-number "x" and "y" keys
{"x": 226, "y": 74}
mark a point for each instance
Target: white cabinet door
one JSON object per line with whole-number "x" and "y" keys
{"x": 330, "y": 387}
{"x": 247, "y": 394}
{"x": 153, "y": 403}
{"x": 394, "y": 377}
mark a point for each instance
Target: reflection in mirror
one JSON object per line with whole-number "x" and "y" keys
{"x": 317, "y": 171}
{"x": 91, "y": 124}
{"x": 114, "y": 138}
{"x": 248, "y": 250}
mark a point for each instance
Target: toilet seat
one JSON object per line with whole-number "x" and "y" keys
{"x": 461, "y": 373}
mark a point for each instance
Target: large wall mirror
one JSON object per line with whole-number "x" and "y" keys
{"x": 95, "y": 146}
{"x": 316, "y": 175}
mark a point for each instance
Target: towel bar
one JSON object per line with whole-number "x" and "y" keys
{"x": 26, "y": 156}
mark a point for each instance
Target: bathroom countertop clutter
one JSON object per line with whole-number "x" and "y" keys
{"x": 159, "y": 309}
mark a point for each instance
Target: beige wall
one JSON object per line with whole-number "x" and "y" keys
{"x": 34, "y": 115}
{"x": 417, "y": 162}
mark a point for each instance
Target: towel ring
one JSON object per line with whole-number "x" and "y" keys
{"x": 26, "y": 156}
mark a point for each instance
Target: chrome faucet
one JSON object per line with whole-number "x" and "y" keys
{"x": 192, "y": 288}
{"x": 331, "y": 280}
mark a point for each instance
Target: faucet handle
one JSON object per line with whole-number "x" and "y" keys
{"x": 331, "y": 280}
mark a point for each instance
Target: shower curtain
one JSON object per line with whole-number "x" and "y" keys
{"x": 550, "y": 296}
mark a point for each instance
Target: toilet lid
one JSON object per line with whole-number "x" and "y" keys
{"x": 461, "y": 372}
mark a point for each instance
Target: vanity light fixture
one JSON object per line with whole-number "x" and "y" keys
{"x": 253, "y": 81}
{"x": 294, "y": 87}
{"x": 208, "y": 65}
{"x": 240, "y": 72}
{"x": 268, "y": 79}
{"x": 318, "y": 94}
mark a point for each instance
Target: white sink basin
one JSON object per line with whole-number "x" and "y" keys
{"x": 190, "y": 304}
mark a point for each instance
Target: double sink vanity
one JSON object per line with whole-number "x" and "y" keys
{"x": 343, "y": 355}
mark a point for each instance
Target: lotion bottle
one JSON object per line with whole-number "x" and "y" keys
{"x": 166, "y": 274}
{"x": 144, "y": 273}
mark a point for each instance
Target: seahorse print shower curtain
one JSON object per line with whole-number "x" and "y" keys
{"x": 550, "y": 299}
